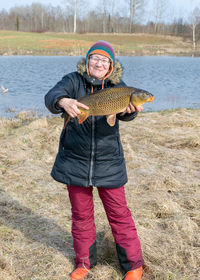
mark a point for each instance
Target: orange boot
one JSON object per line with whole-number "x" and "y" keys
{"x": 135, "y": 274}
{"x": 79, "y": 273}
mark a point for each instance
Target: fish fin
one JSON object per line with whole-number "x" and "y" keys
{"x": 66, "y": 118}
{"x": 123, "y": 113}
{"x": 111, "y": 119}
{"x": 82, "y": 116}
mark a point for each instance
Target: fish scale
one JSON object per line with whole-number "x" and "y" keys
{"x": 107, "y": 101}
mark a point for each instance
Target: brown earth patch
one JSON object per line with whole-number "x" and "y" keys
{"x": 8, "y": 37}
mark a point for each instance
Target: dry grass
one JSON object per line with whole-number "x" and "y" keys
{"x": 162, "y": 151}
{"x": 49, "y": 43}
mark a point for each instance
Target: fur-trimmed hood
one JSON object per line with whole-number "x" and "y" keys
{"x": 115, "y": 77}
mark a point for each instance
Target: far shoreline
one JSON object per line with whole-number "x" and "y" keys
{"x": 70, "y": 44}
{"x": 191, "y": 54}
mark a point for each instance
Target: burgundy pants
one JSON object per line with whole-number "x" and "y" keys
{"x": 120, "y": 220}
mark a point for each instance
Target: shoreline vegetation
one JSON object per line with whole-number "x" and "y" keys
{"x": 162, "y": 151}
{"x": 51, "y": 43}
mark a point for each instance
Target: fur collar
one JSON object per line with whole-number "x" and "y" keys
{"x": 115, "y": 77}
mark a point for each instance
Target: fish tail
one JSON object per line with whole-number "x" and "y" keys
{"x": 82, "y": 116}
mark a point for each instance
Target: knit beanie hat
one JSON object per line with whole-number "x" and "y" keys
{"x": 102, "y": 48}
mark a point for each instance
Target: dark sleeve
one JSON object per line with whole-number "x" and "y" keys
{"x": 126, "y": 117}
{"x": 64, "y": 88}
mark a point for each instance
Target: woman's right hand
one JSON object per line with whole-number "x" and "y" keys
{"x": 71, "y": 106}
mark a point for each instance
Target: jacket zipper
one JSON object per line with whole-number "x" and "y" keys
{"x": 92, "y": 154}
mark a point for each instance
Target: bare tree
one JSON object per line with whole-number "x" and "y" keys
{"x": 75, "y": 13}
{"x": 112, "y": 15}
{"x": 159, "y": 12}
{"x": 194, "y": 22}
{"x": 132, "y": 12}
{"x": 71, "y": 8}
{"x": 77, "y": 9}
{"x": 136, "y": 10}
{"x": 102, "y": 16}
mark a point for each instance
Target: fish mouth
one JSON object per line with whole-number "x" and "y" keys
{"x": 151, "y": 98}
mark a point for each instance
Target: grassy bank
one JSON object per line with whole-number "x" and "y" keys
{"x": 29, "y": 43}
{"x": 162, "y": 151}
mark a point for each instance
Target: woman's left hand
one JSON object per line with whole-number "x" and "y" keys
{"x": 131, "y": 108}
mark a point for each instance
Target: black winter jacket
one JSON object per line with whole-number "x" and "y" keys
{"x": 90, "y": 153}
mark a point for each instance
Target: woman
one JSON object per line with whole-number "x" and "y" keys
{"x": 91, "y": 155}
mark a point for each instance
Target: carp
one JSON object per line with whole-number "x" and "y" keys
{"x": 112, "y": 101}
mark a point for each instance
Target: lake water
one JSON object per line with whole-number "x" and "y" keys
{"x": 175, "y": 81}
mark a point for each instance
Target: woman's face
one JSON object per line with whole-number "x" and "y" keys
{"x": 98, "y": 66}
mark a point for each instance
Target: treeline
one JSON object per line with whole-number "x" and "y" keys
{"x": 77, "y": 18}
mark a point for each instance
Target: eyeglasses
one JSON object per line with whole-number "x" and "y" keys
{"x": 95, "y": 59}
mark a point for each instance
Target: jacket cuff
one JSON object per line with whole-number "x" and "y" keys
{"x": 56, "y": 108}
{"x": 127, "y": 117}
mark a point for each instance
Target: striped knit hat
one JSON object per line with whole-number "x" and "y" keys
{"x": 102, "y": 48}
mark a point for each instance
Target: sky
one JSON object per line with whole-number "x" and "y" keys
{"x": 178, "y": 8}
